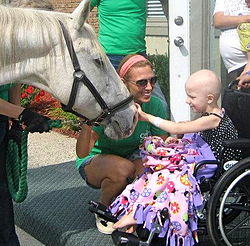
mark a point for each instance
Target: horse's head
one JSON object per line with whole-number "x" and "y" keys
{"x": 42, "y": 59}
{"x": 99, "y": 71}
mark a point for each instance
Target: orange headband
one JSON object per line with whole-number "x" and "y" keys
{"x": 129, "y": 63}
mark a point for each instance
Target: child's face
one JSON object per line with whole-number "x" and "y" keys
{"x": 196, "y": 98}
{"x": 248, "y": 3}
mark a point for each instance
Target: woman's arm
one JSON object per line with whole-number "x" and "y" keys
{"x": 12, "y": 109}
{"x": 15, "y": 94}
{"x": 9, "y": 109}
{"x": 227, "y": 21}
{"x": 85, "y": 141}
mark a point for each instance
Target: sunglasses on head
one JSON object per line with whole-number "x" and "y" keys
{"x": 144, "y": 82}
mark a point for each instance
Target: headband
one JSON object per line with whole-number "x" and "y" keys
{"x": 129, "y": 63}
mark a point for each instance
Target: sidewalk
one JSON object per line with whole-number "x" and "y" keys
{"x": 50, "y": 148}
{"x": 46, "y": 149}
{"x": 27, "y": 240}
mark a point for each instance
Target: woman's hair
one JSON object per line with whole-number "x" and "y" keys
{"x": 37, "y": 4}
{"x": 141, "y": 63}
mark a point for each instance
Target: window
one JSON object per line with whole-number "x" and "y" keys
{"x": 156, "y": 22}
{"x": 154, "y": 9}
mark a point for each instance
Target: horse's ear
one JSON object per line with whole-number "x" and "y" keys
{"x": 80, "y": 14}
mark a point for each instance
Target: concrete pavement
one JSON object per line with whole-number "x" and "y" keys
{"x": 46, "y": 149}
{"x": 27, "y": 240}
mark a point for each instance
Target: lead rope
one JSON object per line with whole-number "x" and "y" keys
{"x": 17, "y": 162}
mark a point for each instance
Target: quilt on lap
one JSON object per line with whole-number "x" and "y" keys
{"x": 167, "y": 184}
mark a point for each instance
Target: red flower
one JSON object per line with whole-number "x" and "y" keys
{"x": 160, "y": 180}
{"x": 37, "y": 98}
{"x": 24, "y": 95}
{"x": 42, "y": 93}
{"x": 30, "y": 89}
{"x": 175, "y": 207}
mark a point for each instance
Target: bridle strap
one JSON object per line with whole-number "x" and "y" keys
{"x": 70, "y": 47}
{"x": 79, "y": 76}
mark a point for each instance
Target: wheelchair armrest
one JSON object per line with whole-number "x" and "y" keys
{"x": 124, "y": 238}
{"x": 201, "y": 164}
{"x": 101, "y": 210}
{"x": 240, "y": 143}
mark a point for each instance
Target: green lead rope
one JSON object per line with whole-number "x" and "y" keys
{"x": 17, "y": 162}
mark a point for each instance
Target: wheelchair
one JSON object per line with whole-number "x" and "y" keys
{"x": 225, "y": 217}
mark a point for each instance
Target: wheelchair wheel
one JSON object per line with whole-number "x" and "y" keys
{"x": 228, "y": 211}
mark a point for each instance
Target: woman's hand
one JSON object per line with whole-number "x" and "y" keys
{"x": 172, "y": 140}
{"x": 85, "y": 141}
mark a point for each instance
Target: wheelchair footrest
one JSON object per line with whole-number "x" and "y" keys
{"x": 101, "y": 210}
{"x": 124, "y": 238}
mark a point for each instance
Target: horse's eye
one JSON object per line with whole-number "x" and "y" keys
{"x": 98, "y": 61}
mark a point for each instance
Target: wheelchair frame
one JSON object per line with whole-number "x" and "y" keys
{"x": 227, "y": 218}
{"x": 218, "y": 214}
{"x": 227, "y": 204}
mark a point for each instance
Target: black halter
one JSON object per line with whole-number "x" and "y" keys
{"x": 80, "y": 77}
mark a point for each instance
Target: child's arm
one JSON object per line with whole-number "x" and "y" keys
{"x": 201, "y": 124}
{"x": 86, "y": 141}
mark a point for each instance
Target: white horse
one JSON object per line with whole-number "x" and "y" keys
{"x": 33, "y": 51}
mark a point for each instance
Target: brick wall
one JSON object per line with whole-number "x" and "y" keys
{"x": 69, "y": 5}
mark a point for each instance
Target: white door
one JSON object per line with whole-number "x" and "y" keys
{"x": 192, "y": 46}
{"x": 179, "y": 57}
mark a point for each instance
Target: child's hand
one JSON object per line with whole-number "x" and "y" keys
{"x": 141, "y": 115}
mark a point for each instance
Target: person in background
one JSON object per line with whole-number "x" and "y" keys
{"x": 122, "y": 29}
{"x": 109, "y": 164}
{"x": 10, "y": 108}
{"x": 244, "y": 35}
{"x": 35, "y": 123}
{"x": 228, "y": 14}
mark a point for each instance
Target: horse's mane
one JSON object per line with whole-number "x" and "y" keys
{"x": 17, "y": 24}
{"x": 37, "y": 4}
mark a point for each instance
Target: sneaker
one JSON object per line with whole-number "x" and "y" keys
{"x": 103, "y": 226}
